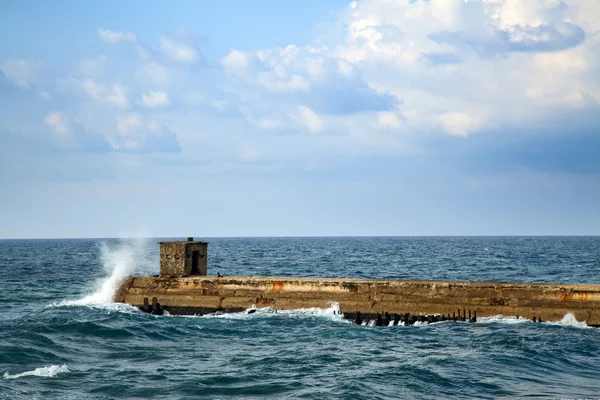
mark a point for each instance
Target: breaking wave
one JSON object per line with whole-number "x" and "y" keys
{"x": 501, "y": 319}
{"x": 332, "y": 312}
{"x": 46, "y": 372}
{"x": 119, "y": 261}
{"x": 568, "y": 320}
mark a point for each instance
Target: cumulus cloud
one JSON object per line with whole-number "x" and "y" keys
{"x": 388, "y": 119}
{"x": 153, "y": 73}
{"x": 137, "y": 135}
{"x": 116, "y": 37}
{"x": 309, "y": 119}
{"x": 455, "y": 67}
{"x": 112, "y": 37}
{"x": 58, "y": 123}
{"x": 459, "y": 123}
{"x": 309, "y": 75}
{"x": 179, "y": 52}
{"x": 114, "y": 95}
{"x": 236, "y": 61}
{"x": 155, "y": 99}
{"x": 499, "y": 59}
{"x": 176, "y": 46}
{"x": 21, "y": 72}
{"x": 73, "y": 136}
{"x": 491, "y": 41}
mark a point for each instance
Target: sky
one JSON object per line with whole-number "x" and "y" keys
{"x": 312, "y": 118}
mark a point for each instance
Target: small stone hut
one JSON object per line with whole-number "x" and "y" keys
{"x": 181, "y": 258}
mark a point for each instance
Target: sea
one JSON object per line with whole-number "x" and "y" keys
{"x": 62, "y": 336}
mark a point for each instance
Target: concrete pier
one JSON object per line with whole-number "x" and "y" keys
{"x": 365, "y": 298}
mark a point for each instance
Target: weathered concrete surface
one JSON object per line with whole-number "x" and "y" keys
{"x": 180, "y": 258}
{"x": 196, "y": 294}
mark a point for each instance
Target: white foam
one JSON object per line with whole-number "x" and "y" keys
{"x": 332, "y": 312}
{"x": 46, "y": 372}
{"x": 501, "y": 319}
{"x": 569, "y": 320}
{"x": 110, "y": 307}
{"x": 119, "y": 261}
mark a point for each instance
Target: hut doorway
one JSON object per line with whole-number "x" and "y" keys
{"x": 195, "y": 258}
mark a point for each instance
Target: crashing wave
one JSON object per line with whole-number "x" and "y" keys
{"x": 119, "y": 261}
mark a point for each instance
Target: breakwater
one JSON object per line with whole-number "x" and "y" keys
{"x": 365, "y": 299}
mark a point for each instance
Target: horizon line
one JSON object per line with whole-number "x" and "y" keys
{"x": 305, "y": 236}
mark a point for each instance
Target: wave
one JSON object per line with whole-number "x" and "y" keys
{"x": 501, "y": 319}
{"x": 110, "y": 307}
{"x": 46, "y": 372}
{"x": 332, "y": 312}
{"x": 119, "y": 261}
{"x": 568, "y": 320}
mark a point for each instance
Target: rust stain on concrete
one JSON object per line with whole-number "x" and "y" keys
{"x": 546, "y": 301}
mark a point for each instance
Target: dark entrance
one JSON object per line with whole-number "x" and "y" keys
{"x": 195, "y": 258}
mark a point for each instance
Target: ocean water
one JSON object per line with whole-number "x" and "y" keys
{"x": 61, "y": 337}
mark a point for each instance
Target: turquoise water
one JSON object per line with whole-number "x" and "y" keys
{"x": 62, "y": 338}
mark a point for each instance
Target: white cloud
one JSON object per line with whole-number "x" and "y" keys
{"x": 387, "y": 119}
{"x": 129, "y": 124}
{"x": 459, "y": 123}
{"x": 21, "y": 72}
{"x": 153, "y": 73}
{"x": 58, "y": 122}
{"x": 112, "y": 37}
{"x": 235, "y": 60}
{"x": 177, "y": 51}
{"x": 116, "y": 37}
{"x": 309, "y": 119}
{"x": 507, "y": 62}
{"x": 155, "y": 99}
{"x": 130, "y": 132}
{"x": 114, "y": 95}
{"x": 134, "y": 134}
{"x": 273, "y": 70}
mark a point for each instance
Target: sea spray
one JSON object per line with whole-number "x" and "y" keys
{"x": 47, "y": 372}
{"x": 332, "y": 313}
{"x": 119, "y": 261}
{"x": 570, "y": 320}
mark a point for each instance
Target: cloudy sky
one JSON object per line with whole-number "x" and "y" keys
{"x": 275, "y": 118}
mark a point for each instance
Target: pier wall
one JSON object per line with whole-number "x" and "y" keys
{"x": 203, "y": 294}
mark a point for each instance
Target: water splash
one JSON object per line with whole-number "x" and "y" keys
{"x": 332, "y": 312}
{"x": 570, "y": 320}
{"x": 47, "y": 372}
{"x": 501, "y": 319}
{"x": 119, "y": 261}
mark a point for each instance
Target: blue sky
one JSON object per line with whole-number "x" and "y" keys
{"x": 274, "y": 118}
